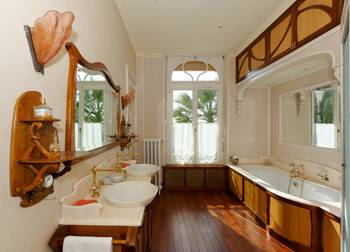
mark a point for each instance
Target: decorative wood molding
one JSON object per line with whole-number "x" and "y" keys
{"x": 47, "y": 36}
{"x": 294, "y": 28}
{"x": 319, "y": 46}
{"x": 76, "y": 58}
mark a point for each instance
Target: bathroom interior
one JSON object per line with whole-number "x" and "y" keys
{"x": 175, "y": 126}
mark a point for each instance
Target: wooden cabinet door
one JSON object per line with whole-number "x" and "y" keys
{"x": 281, "y": 36}
{"x": 313, "y": 18}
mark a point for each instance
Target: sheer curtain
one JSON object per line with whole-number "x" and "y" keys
{"x": 91, "y": 138}
{"x": 182, "y": 147}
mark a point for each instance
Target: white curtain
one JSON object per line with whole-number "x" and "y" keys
{"x": 91, "y": 138}
{"x": 207, "y": 142}
{"x": 182, "y": 148}
{"x": 326, "y": 135}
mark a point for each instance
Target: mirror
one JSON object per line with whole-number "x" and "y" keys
{"x": 311, "y": 116}
{"x": 95, "y": 110}
{"x": 92, "y": 105}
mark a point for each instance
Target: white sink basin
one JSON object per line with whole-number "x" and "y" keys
{"x": 142, "y": 170}
{"x": 130, "y": 194}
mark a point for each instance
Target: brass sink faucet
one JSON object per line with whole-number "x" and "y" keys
{"x": 118, "y": 168}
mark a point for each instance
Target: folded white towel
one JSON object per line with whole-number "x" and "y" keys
{"x": 87, "y": 244}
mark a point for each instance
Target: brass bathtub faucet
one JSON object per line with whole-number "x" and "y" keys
{"x": 297, "y": 170}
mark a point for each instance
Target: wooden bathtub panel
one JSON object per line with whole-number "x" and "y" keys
{"x": 235, "y": 184}
{"x": 330, "y": 234}
{"x": 291, "y": 221}
{"x": 249, "y": 194}
{"x": 260, "y": 204}
{"x": 256, "y": 199}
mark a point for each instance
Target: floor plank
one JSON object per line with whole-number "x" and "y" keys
{"x": 208, "y": 222}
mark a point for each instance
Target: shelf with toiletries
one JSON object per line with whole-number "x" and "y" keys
{"x": 35, "y": 152}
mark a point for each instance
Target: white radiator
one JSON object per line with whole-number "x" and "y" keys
{"x": 152, "y": 155}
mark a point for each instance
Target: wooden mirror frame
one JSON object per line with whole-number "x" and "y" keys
{"x": 76, "y": 58}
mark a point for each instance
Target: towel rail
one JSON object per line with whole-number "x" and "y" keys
{"x": 128, "y": 244}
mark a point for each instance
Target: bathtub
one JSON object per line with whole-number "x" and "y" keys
{"x": 298, "y": 211}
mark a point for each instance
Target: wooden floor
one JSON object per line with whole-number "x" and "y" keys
{"x": 207, "y": 221}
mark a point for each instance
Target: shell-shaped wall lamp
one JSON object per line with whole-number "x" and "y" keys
{"x": 47, "y": 36}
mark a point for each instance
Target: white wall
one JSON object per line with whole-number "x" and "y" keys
{"x": 247, "y": 132}
{"x": 100, "y": 35}
{"x": 152, "y": 98}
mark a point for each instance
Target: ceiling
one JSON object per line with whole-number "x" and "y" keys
{"x": 193, "y": 26}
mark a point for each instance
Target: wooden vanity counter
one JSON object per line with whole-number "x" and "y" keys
{"x": 130, "y": 228}
{"x": 125, "y": 238}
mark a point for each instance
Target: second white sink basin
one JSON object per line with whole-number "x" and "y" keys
{"x": 130, "y": 194}
{"x": 142, "y": 170}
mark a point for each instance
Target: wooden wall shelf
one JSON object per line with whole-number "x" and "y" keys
{"x": 31, "y": 158}
{"x": 43, "y": 120}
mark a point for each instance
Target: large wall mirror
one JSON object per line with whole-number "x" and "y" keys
{"x": 311, "y": 116}
{"x": 93, "y": 108}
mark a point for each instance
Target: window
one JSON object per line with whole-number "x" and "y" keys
{"x": 325, "y": 116}
{"x": 194, "y": 112}
{"x": 194, "y": 71}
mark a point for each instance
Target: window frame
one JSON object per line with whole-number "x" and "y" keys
{"x": 217, "y": 62}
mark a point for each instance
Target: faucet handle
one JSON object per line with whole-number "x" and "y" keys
{"x": 323, "y": 176}
{"x": 293, "y": 165}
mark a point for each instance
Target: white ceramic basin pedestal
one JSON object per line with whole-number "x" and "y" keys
{"x": 142, "y": 170}
{"x": 130, "y": 194}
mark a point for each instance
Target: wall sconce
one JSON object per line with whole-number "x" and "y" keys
{"x": 47, "y": 36}
{"x": 128, "y": 98}
{"x": 300, "y": 98}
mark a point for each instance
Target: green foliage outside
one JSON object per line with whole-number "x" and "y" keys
{"x": 207, "y": 107}
{"x": 324, "y": 108}
{"x": 93, "y": 106}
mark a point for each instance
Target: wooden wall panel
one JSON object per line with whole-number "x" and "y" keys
{"x": 281, "y": 37}
{"x": 175, "y": 178}
{"x": 258, "y": 54}
{"x": 243, "y": 66}
{"x": 309, "y": 3}
{"x": 311, "y": 21}
{"x": 204, "y": 177}
{"x": 291, "y": 221}
{"x": 302, "y": 22}
{"x": 195, "y": 177}
{"x": 215, "y": 177}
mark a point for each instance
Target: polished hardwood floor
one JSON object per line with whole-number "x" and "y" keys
{"x": 207, "y": 221}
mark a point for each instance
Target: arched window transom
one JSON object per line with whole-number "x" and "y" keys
{"x": 195, "y": 71}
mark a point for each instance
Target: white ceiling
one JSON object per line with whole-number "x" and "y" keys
{"x": 192, "y": 26}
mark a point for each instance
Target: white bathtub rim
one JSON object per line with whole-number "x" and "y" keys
{"x": 333, "y": 208}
